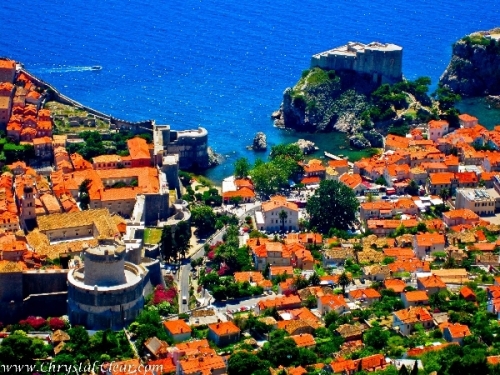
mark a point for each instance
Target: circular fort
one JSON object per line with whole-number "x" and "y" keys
{"x": 108, "y": 291}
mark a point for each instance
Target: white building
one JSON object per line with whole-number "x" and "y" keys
{"x": 479, "y": 201}
{"x": 271, "y": 218}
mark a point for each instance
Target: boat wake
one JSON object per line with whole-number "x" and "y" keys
{"x": 67, "y": 69}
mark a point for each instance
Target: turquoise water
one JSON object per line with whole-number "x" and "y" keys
{"x": 487, "y": 115}
{"x": 220, "y": 64}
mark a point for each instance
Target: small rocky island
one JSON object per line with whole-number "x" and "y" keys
{"x": 259, "y": 142}
{"x": 356, "y": 89}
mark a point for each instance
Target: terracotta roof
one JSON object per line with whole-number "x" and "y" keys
{"x": 432, "y": 281}
{"x": 493, "y": 359}
{"x": 333, "y": 300}
{"x": 250, "y": 276}
{"x": 282, "y": 302}
{"x": 461, "y": 213}
{"x": 294, "y": 326}
{"x": 395, "y": 284}
{"x": 167, "y": 365}
{"x": 195, "y": 344}
{"x": 429, "y": 239}
{"x": 310, "y": 180}
{"x": 399, "y": 252}
{"x": 457, "y": 330}
{"x": 314, "y": 165}
{"x": 276, "y": 202}
{"x": 416, "y": 296}
{"x": 483, "y": 247}
{"x": 351, "y": 180}
{"x": 415, "y": 352}
{"x": 434, "y": 124}
{"x": 279, "y": 270}
{"x": 204, "y": 365}
{"x": 176, "y": 327}
{"x": 224, "y": 328}
{"x": 364, "y": 293}
{"x": 243, "y": 192}
{"x": 304, "y": 340}
{"x": 467, "y": 118}
{"x": 413, "y": 315}
{"x": 338, "y": 163}
{"x": 138, "y": 148}
{"x": 7, "y": 64}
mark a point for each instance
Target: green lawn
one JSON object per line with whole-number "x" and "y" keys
{"x": 152, "y": 236}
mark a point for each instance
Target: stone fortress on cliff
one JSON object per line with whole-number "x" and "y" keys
{"x": 383, "y": 61}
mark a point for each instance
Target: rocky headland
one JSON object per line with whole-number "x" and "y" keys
{"x": 352, "y": 103}
{"x": 474, "y": 69}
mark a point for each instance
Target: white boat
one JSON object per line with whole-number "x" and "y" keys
{"x": 96, "y": 67}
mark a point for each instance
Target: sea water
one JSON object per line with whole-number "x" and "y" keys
{"x": 220, "y": 64}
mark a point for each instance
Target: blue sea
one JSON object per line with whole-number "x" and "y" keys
{"x": 219, "y": 64}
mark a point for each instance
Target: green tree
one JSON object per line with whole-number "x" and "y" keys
{"x": 167, "y": 244}
{"x": 314, "y": 279}
{"x": 203, "y": 217}
{"x": 283, "y": 216}
{"x": 244, "y": 363}
{"x": 241, "y": 168}
{"x": 333, "y": 205}
{"x": 84, "y": 194}
{"x": 446, "y": 98}
{"x": 268, "y": 178}
{"x": 182, "y": 236}
{"x": 412, "y": 188}
{"x": 445, "y": 193}
{"x": 376, "y": 337}
{"x": 344, "y": 281}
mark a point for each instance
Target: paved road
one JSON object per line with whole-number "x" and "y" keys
{"x": 198, "y": 252}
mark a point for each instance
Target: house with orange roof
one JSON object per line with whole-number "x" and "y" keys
{"x": 387, "y": 227}
{"x": 178, "y": 330}
{"x": 304, "y": 340}
{"x": 491, "y": 162}
{"x": 424, "y": 244}
{"x": 431, "y": 284}
{"x": 202, "y": 364}
{"x": 397, "y": 285}
{"x": 371, "y": 363}
{"x": 139, "y": 152}
{"x": 394, "y": 173}
{"x": 277, "y": 215}
{"x": 43, "y": 148}
{"x": 242, "y": 188}
{"x": 461, "y": 216}
{"x": 332, "y": 302}
{"x": 295, "y": 327}
{"x": 467, "y": 294}
{"x": 377, "y": 210}
{"x": 167, "y": 365}
{"x": 414, "y": 298}
{"x": 395, "y": 142}
{"x": 399, "y": 253}
{"x": 223, "y": 333}
{"x": 467, "y": 121}
{"x": 156, "y": 347}
{"x": 249, "y": 276}
{"x": 417, "y": 352}
{"x": 280, "y": 270}
{"x": 405, "y": 320}
{"x": 287, "y": 286}
{"x": 303, "y": 314}
{"x": 288, "y": 371}
{"x": 109, "y": 162}
{"x": 437, "y": 129}
{"x": 6, "y": 95}
{"x": 336, "y": 255}
{"x": 487, "y": 178}
{"x": 273, "y": 253}
{"x": 304, "y": 238}
{"x": 280, "y": 303}
{"x": 341, "y": 166}
{"x": 303, "y": 259}
{"x": 366, "y": 296}
{"x": 440, "y": 181}
{"x": 13, "y": 251}
{"x": 314, "y": 168}
{"x": 455, "y": 332}
{"x": 354, "y": 182}
{"x": 7, "y": 70}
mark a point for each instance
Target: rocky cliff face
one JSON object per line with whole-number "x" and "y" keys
{"x": 324, "y": 101}
{"x": 474, "y": 69}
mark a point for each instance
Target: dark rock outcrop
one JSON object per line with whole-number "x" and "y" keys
{"x": 359, "y": 141}
{"x": 306, "y": 146}
{"x": 474, "y": 69}
{"x": 374, "y": 138}
{"x": 213, "y": 158}
{"x": 324, "y": 101}
{"x": 259, "y": 142}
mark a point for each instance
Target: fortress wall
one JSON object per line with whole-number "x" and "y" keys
{"x": 11, "y": 287}
{"x": 191, "y": 146}
{"x": 156, "y": 207}
{"x": 154, "y": 276}
{"x": 41, "y": 282}
{"x": 46, "y": 305}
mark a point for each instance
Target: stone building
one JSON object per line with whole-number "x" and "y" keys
{"x": 384, "y": 62}
{"x": 108, "y": 291}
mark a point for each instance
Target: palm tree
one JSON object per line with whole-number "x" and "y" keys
{"x": 344, "y": 281}
{"x": 369, "y": 197}
{"x": 283, "y": 216}
{"x": 444, "y": 193}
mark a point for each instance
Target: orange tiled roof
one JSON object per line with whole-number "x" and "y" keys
{"x": 434, "y": 124}
{"x": 314, "y": 165}
{"x": 457, "y": 330}
{"x": 310, "y": 180}
{"x": 224, "y": 328}
{"x": 244, "y": 182}
{"x": 432, "y": 281}
{"x": 429, "y": 239}
{"x": 203, "y": 365}
{"x": 413, "y": 315}
{"x": 467, "y": 118}
{"x": 351, "y": 180}
{"x": 176, "y": 327}
{"x": 399, "y": 252}
{"x": 338, "y": 163}
{"x": 7, "y": 64}
{"x": 278, "y": 302}
{"x": 138, "y": 148}
{"x": 196, "y": 344}
{"x": 441, "y": 178}
{"x": 279, "y": 270}
{"x": 250, "y": 276}
{"x": 364, "y": 293}
{"x": 461, "y": 213}
{"x": 415, "y": 352}
{"x": 304, "y": 340}
{"x": 467, "y": 292}
{"x": 243, "y": 192}
{"x": 333, "y": 300}
{"x": 278, "y": 201}
{"x": 493, "y": 360}
{"x": 395, "y": 284}
{"x": 416, "y": 296}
